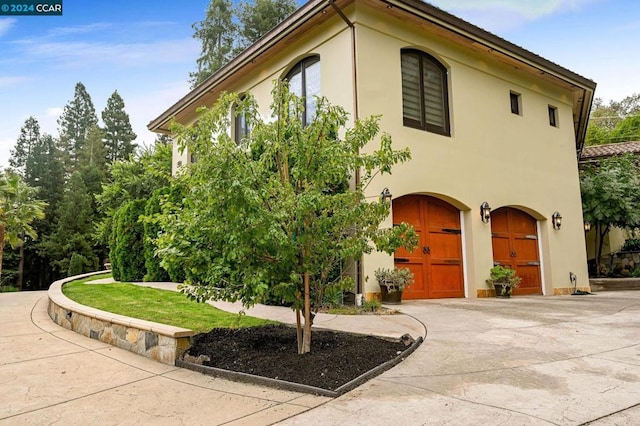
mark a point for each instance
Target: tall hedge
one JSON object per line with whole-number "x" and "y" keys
{"x": 155, "y": 272}
{"x": 127, "y": 242}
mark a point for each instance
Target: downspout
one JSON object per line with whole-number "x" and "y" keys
{"x": 356, "y": 113}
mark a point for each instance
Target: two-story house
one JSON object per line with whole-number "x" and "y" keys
{"x": 494, "y": 130}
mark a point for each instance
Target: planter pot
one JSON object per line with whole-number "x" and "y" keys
{"x": 502, "y": 292}
{"x": 390, "y": 297}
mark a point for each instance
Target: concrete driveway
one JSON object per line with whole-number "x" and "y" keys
{"x": 50, "y": 375}
{"x": 564, "y": 360}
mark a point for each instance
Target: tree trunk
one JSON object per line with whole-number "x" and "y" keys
{"x": 299, "y": 330}
{"x": 2, "y": 231}
{"x": 21, "y": 267}
{"x": 306, "y": 338}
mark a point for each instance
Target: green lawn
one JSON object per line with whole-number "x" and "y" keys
{"x": 166, "y": 307}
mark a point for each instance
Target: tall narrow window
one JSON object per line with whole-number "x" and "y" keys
{"x": 241, "y": 126}
{"x": 553, "y": 116}
{"x": 304, "y": 81}
{"x": 516, "y": 103}
{"x": 425, "y": 100}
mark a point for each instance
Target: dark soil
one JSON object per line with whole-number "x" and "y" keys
{"x": 336, "y": 358}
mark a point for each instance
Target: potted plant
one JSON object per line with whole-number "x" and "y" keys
{"x": 504, "y": 280}
{"x": 392, "y": 283}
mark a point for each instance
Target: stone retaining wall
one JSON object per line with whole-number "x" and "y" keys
{"x": 160, "y": 342}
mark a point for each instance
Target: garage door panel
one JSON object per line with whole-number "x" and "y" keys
{"x": 417, "y": 290}
{"x": 447, "y": 280}
{"x": 501, "y": 249}
{"x": 515, "y": 245}
{"x": 526, "y": 249}
{"x": 444, "y": 246}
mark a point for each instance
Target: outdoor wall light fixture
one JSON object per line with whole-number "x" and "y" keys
{"x": 386, "y": 196}
{"x": 556, "y": 220}
{"x": 485, "y": 212}
{"x": 587, "y": 226}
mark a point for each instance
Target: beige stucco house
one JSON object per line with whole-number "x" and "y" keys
{"x": 495, "y": 133}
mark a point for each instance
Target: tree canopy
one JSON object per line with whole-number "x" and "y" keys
{"x": 610, "y": 196}
{"x": 618, "y": 121}
{"x": 227, "y": 30}
{"x": 275, "y": 216}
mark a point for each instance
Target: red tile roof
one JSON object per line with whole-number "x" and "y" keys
{"x": 609, "y": 150}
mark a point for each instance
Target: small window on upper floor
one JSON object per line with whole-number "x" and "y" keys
{"x": 241, "y": 127}
{"x": 304, "y": 82}
{"x": 516, "y": 103}
{"x": 553, "y": 116}
{"x": 425, "y": 98}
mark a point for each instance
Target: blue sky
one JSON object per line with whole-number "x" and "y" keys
{"x": 145, "y": 50}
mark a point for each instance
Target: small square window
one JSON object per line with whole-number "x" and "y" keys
{"x": 553, "y": 116}
{"x": 516, "y": 103}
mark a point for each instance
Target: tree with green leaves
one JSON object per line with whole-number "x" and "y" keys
{"x": 29, "y": 137}
{"x": 18, "y": 209}
{"x": 74, "y": 230}
{"x": 217, "y": 36}
{"x": 226, "y": 31}
{"x": 610, "y": 197}
{"x": 77, "y": 119}
{"x": 118, "y": 134}
{"x": 259, "y": 16}
{"x": 617, "y": 121}
{"x": 275, "y": 217}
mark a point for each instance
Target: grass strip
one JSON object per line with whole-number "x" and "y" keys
{"x": 150, "y": 304}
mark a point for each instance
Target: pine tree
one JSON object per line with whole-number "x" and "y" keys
{"x": 118, "y": 135}
{"x": 78, "y": 117}
{"x": 259, "y": 16}
{"x": 29, "y": 137}
{"x": 217, "y": 33}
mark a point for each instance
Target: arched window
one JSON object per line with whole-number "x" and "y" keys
{"x": 240, "y": 125}
{"x": 304, "y": 81}
{"x": 425, "y": 101}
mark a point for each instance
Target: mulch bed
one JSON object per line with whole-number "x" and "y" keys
{"x": 336, "y": 358}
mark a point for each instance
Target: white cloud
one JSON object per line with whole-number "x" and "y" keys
{"x": 12, "y": 81}
{"x": 54, "y": 112}
{"x": 90, "y": 54}
{"x": 5, "y": 25}
{"x": 503, "y": 15}
{"x": 79, "y": 29}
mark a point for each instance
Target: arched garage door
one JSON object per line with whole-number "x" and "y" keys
{"x": 514, "y": 237}
{"x": 437, "y": 261}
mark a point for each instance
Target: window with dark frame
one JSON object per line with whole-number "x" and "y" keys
{"x": 241, "y": 127}
{"x": 516, "y": 103}
{"x": 304, "y": 81}
{"x": 425, "y": 99}
{"x": 553, "y": 116}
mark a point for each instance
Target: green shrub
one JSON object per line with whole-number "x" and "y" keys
{"x": 76, "y": 264}
{"x": 8, "y": 289}
{"x": 155, "y": 272}
{"x": 371, "y": 305}
{"x": 127, "y": 249}
{"x": 631, "y": 244}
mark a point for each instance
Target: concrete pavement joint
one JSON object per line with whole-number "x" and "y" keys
{"x": 609, "y": 415}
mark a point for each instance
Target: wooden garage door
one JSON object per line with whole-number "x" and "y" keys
{"x": 437, "y": 261}
{"x": 514, "y": 236}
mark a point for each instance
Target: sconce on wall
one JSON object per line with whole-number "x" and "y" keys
{"x": 386, "y": 196}
{"x": 485, "y": 212}
{"x": 587, "y": 226}
{"x": 556, "y": 220}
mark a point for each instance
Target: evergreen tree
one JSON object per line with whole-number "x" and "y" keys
{"x": 94, "y": 152}
{"x": 29, "y": 137}
{"x": 217, "y": 33}
{"x": 77, "y": 119}
{"x": 118, "y": 135}
{"x": 259, "y": 16}
{"x": 222, "y": 38}
{"x": 74, "y": 228}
